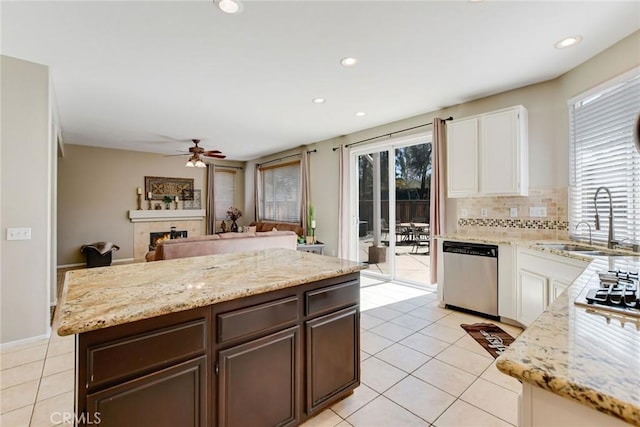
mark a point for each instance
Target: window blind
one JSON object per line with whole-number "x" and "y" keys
{"x": 602, "y": 153}
{"x": 224, "y": 191}
{"x": 281, "y": 193}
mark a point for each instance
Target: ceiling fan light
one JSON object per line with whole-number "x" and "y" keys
{"x": 229, "y": 6}
{"x": 189, "y": 164}
{"x": 200, "y": 164}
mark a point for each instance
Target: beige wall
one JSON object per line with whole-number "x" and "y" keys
{"x": 548, "y": 133}
{"x": 96, "y": 190}
{"x": 26, "y": 199}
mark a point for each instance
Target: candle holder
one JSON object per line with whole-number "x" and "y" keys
{"x": 139, "y": 202}
{"x": 149, "y": 201}
{"x": 176, "y": 202}
{"x": 313, "y": 235}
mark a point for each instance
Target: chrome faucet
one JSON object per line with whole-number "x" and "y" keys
{"x": 588, "y": 225}
{"x": 610, "y": 241}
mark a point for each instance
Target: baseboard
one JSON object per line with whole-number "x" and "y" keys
{"x": 82, "y": 264}
{"x": 18, "y": 343}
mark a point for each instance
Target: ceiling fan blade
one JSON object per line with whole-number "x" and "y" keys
{"x": 174, "y": 155}
{"x": 214, "y": 155}
{"x": 209, "y": 152}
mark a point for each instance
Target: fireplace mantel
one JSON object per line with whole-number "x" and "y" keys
{"x": 166, "y": 215}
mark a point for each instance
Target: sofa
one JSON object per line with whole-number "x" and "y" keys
{"x": 222, "y": 243}
{"x": 264, "y": 226}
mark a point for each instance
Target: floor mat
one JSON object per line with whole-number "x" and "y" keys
{"x": 490, "y": 337}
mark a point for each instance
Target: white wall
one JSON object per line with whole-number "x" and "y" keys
{"x": 548, "y": 133}
{"x": 26, "y": 199}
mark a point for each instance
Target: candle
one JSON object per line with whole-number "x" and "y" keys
{"x": 149, "y": 195}
{"x": 313, "y": 223}
{"x": 177, "y": 198}
{"x": 139, "y": 190}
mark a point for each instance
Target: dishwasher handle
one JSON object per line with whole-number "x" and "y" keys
{"x": 473, "y": 249}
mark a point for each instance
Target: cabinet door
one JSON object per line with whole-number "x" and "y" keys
{"x": 258, "y": 382}
{"x": 333, "y": 351}
{"x": 557, "y": 287}
{"x": 532, "y": 296}
{"x": 499, "y": 153}
{"x": 175, "y": 396}
{"x": 462, "y": 158}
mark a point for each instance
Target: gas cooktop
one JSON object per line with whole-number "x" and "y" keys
{"x": 618, "y": 292}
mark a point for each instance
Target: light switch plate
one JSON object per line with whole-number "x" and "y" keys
{"x": 18, "y": 233}
{"x": 538, "y": 212}
{"x": 513, "y": 212}
{"x": 483, "y": 212}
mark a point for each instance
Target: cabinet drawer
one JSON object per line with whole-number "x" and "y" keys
{"x": 144, "y": 352}
{"x": 332, "y": 297}
{"x": 257, "y": 319}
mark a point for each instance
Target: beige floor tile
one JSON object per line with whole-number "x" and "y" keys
{"x": 422, "y": 399}
{"x": 20, "y": 347}
{"x": 373, "y": 343}
{"x": 344, "y": 423}
{"x": 514, "y": 331}
{"x": 360, "y": 397}
{"x": 402, "y": 306}
{"x": 17, "y": 418}
{"x": 411, "y": 322}
{"x": 465, "y": 360}
{"x": 495, "y": 376}
{"x": 326, "y": 418}
{"x": 424, "y": 344}
{"x": 428, "y": 313}
{"x": 57, "y": 364}
{"x": 382, "y": 412}
{"x": 392, "y": 331}
{"x": 364, "y": 355}
{"x": 446, "y": 377}
{"x": 22, "y": 357}
{"x": 443, "y": 333}
{"x": 384, "y": 313}
{"x": 380, "y": 375}
{"x": 60, "y": 347}
{"x": 55, "y": 384}
{"x": 16, "y": 397}
{"x": 493, "y": 399}
{"x": 403, "y": 357}
{"x": 51, "y": 411}
{"x": 367, "y": 321}
{"x": 456, "y": 319}
{"x": 21, "y": 374}
{"x": 462, "y": 414}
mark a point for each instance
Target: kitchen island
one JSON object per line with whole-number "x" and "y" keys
{"x": 252, "y": 338}
{"x": 577, "y": 366}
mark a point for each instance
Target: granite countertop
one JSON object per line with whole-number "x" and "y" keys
{"x": 107, "y": 296}
{"x": 580, "y": 354}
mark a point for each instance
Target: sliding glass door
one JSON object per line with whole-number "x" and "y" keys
{"x": 392, "y": 183}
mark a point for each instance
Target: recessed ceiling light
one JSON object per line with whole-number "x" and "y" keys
{"x": 229, "y": 6}
{"x": 348, "y": 61}
{"x": 361, "y": 114}
{"x": 569, "y": 41}
{"x": 318, "y": 100}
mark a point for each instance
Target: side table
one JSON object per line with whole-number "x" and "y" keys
{"x": 316, "y": 248}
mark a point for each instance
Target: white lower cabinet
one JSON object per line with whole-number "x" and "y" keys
{"x": 541, "y": 278}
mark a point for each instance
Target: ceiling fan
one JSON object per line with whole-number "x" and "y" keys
{"x": 198, "y": 152}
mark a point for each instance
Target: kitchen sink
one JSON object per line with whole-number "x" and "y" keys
{"x": 566, "y": 247}
{"x": 598, "y": 253}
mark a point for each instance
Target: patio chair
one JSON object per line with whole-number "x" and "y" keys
{"x": 420, "y": 238}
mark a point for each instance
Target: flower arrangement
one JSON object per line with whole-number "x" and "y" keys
{"x": 233, "y": 213}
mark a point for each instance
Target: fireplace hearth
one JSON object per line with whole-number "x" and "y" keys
{"x": 156, "y": 236}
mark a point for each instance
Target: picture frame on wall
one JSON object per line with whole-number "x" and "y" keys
{"x": 195, "y": 202}
{"x": 160, "y": 186}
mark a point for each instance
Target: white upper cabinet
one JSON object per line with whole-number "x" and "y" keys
{"x": 487, "y": 155}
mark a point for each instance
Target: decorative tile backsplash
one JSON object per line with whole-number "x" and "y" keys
{"x": 498, "y": 218}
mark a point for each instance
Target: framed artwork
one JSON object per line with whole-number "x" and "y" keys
{"x": 195, "y": 203}
{"x": 160, "y": 186}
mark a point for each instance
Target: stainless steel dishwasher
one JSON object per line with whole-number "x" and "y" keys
{"x": 471, "y": 276}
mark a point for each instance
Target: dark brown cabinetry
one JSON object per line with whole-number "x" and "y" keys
{"x": 275, "y": 358}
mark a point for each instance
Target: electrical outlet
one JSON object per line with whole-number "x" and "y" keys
{"x": 538, "y": 212}
{"x": 483, "y": 212}
{"x": 464, "y": 213}
{"x": 19, "y": 233}
{"x": 513, "y": 212}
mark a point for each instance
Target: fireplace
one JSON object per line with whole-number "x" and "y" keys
{"x": 155, "y": 236}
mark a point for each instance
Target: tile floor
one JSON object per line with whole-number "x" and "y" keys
{"x": 418, "y": 368}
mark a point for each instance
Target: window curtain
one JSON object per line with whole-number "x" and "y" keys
{"x": 436, "y": 208}
{"x": 343, "y": 202}
{"x": 305, "y": 188}
{"x": 211, "y": 208}
{"x": 256, "y": 193}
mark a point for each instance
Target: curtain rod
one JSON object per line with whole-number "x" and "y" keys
{"x": 228, "y": 167}
{"x": 285, "y": 157}
{"x": 390, "y": 134}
